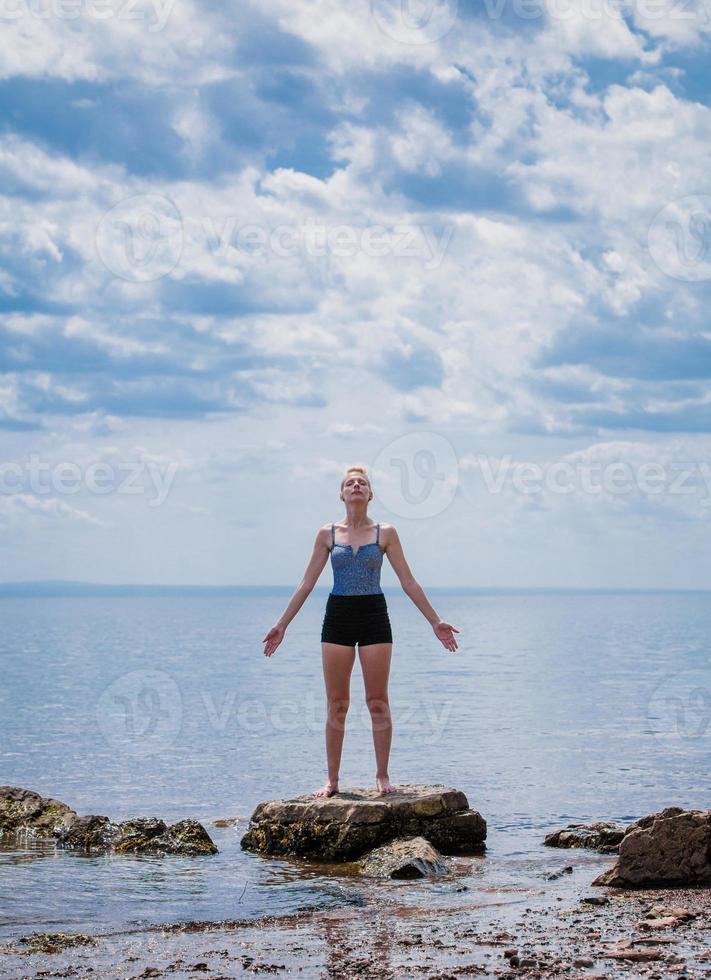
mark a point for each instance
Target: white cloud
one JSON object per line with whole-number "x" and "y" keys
{"x": 151, "y": 42}
{"x": 23, "y": 508}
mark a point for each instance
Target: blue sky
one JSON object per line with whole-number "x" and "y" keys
{"x": 244, "y": 246}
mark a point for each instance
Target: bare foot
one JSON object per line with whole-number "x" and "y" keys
{"x": 384, "y": 785}
{"x": 328, "y": 789}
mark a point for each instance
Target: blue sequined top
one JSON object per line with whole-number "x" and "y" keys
{"x": 359, "y": 573}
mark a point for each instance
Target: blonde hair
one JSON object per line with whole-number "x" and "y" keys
{"x": 358, "y": 468}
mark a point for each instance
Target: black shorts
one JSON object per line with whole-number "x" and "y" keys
{"x": 361, "y": 619}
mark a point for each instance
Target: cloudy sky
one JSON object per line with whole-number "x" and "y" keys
{"x": 244, "y": 245}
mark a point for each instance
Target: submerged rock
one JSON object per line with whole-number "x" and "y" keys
{"x": 672, "y": 847}
{"x": 411, "y": 858}
{"x": 602, "y": 836}
{"x": 345, "y": 826}
{"x": 24, "y": 811}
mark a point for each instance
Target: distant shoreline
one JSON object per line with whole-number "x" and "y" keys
{"x": 69, "y": 589}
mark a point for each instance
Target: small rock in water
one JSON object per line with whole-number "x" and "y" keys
{"x": 602, "y": 836}
{"x": 567, "y": 870}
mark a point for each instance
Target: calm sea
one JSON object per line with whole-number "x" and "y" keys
{"x": 555, "y": 708}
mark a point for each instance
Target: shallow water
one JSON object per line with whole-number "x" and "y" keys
{"x": 555, "y": 708}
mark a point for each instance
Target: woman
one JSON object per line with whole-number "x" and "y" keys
{"x": 356, "y": 613}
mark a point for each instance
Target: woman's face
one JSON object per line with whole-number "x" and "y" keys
{"x": 356, "y": 487}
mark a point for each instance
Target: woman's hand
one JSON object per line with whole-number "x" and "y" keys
{"x": 445, "y": 633}
{"x": 273, "y": 639}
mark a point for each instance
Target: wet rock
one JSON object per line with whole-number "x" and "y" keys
{"x": 664, "y": 923}
{"x": 672, "y": 847}
{"x": 665, "y": 917}
{"x": 411, "y": 858}
{"x": 345, "y": 826}
{"x": 144, "y": 835}
{"x": 601, "y": 836}
{"x": 595, "y": 900}
{"x": 676, "y": 911}
{"x": 22, "y": 810}
{"x": 552, "y": 875}
{"x": 55, "y": 942}
{"x": 633, "y": 955}
{"x": 90, "y": 833}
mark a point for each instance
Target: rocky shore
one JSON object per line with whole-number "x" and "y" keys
{"x": 541, "y": 935}
{"x": 648, "y": 914}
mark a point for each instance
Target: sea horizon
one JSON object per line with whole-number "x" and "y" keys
{"x": 66, "y": 588}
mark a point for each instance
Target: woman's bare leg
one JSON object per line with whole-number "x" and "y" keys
{"x": 375, "y": 661}
{"x": 337, "y": 666}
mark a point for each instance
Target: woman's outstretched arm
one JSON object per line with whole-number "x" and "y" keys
{"x": 412, "y": 588}
{"x": 318, "y": 559}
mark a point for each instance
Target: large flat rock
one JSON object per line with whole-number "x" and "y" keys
{"x": 345, "y": 826}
